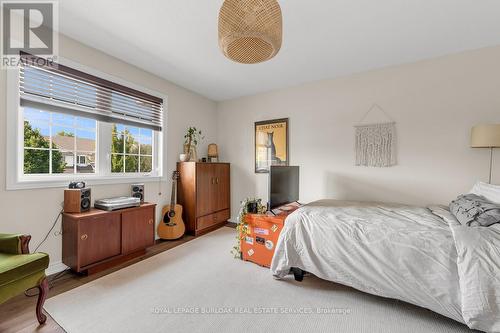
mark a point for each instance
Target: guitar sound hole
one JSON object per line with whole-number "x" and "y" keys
{"x": 168, "y": 217}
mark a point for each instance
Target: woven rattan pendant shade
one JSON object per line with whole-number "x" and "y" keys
{"x": 250, "y": 31}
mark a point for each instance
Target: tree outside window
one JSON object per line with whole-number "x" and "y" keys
{"x": 37, "y": 161}
{"x": 53, "y": 141}
{"x": 131, "y": 149}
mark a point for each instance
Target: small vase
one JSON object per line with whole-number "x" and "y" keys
{"x": 184, "y": 157}
{"x": 193, "y": 157}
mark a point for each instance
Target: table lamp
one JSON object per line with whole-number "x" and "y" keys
{"x": 486, "y": 136}
{"x": 213, "y": 152}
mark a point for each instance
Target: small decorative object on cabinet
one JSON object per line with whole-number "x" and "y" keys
{"x": 192, "y": 137}
{"x": 213, "y": 153}
{"x": 98, "y": 239}
{"x": 203, "y": 191}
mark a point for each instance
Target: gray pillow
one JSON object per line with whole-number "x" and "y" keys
{"x": 475, "y": 210}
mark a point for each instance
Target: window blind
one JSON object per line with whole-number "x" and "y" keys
{"x": 63, "y": 89}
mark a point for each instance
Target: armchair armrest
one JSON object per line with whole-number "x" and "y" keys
{"x": 14, "y": 244}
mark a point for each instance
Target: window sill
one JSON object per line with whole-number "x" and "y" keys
{"x": 63, "y": 182}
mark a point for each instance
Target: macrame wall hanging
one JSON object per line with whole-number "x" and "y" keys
{"x": 376, "y": 143}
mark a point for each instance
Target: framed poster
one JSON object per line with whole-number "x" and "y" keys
{"x": 271, "y": 144}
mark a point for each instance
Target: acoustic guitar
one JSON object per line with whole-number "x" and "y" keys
{"x": 172, "y": 226}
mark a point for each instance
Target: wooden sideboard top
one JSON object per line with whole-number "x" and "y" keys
{"x": 94, "y": 211}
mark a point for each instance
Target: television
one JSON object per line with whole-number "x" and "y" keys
{"x": 283, "y": 185}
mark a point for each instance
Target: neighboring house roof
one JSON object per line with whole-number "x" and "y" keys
{"x": 67, "y": 143}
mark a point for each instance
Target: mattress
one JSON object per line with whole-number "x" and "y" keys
{"x": 415, "y": 254}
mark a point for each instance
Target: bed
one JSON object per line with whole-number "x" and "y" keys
{"x": 420, "y": 255}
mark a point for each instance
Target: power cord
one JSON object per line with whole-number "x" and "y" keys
{"x": 60, "y": 274}
{"x": 50, "y": 230}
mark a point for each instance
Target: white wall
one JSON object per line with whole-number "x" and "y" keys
{"x": 33, "y": 211}
{"x": 434, "y": 103}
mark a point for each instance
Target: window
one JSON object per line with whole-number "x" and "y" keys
{"x": 81, "y": 160}
{"x": 131, "y": 149}
{"x": 52, "y": 140}
{"x": 74, "y": 125}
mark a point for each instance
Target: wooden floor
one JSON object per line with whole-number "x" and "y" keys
{"x": 18, "y": 313}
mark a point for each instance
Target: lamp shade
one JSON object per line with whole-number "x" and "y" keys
{"x": 212, "y": 150}
{"x": 250, "y": 31}
{"x": 485, "y": 136}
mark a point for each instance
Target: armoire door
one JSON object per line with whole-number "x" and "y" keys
{"x": 222, "y": 186}
{"x": 206, "y": 202}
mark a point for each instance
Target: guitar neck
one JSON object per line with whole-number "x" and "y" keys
{"x": 173, "y": 195}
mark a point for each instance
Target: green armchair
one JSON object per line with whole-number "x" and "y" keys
{"x": 20, "y": 271}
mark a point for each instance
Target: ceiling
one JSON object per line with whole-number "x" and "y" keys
{"x": 177, "y": 39}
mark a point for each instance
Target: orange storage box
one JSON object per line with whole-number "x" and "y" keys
{"x": 259, "y": 243}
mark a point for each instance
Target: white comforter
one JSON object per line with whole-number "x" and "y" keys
{"x": 420, "y": 255}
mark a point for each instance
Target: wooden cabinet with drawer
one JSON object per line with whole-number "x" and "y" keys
{"x": 204, "y": 193}
{"x": 99, "y": 239}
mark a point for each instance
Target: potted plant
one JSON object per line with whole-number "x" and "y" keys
{"x": 191, "y": 139}
{"x": 248, "y": 206}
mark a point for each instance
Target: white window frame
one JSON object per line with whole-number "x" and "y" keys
{"x": 15, "y": 143}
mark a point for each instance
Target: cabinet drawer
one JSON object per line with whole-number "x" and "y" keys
{"x": 223, "y": 216}
{"x": 206, "y": 221}
{"x": 212, "y": 219}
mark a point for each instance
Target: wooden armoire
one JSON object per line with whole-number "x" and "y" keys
{"x": 203, "y": 191}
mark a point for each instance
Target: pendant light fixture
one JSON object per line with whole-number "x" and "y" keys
{"x": 250, "y": 31}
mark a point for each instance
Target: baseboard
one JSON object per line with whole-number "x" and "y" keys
{"x": 55, "y": 268}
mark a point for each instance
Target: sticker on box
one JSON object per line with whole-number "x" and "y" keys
{"x": 261, "y": 231}
{"x": 249, "y": 240}
{"x": 269, "y": 245}
{"x": 274, "y": 228}
{"x": 250, "y": 252}
{"x": 260, "y": 240}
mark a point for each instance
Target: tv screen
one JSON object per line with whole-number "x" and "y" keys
{"x": 283, "y": 185}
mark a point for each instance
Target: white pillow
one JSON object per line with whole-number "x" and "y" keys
{"x": 490, "y": 192}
